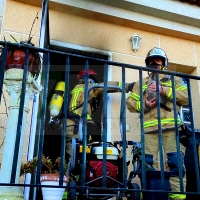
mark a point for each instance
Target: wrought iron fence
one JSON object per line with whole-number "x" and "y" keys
{"x": 104, "y": 185}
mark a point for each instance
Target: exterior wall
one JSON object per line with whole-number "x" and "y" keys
{"x": 90, "y": 24}
{"x": 2, "y": 6}
{"x": 19, "y": 27}
{"x": 4, "y": 114}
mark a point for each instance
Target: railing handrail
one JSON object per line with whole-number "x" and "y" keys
{"x": 126, "y": 65}
{"x": 106, "y": 62}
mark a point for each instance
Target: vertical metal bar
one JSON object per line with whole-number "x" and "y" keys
{"x": 159, "y": 131}
{"x": 2, "y": 68}
{"x": 193, "y": 136}
{"x": 105, "y": 97}
{"x": 46, "y": 66}
{"x": 20, "y": 118}
{"x": 44, "y": 27}
{"x": 84, "y": 118}
{"x": 65, "y": 108}
{"x": 123, "y": 126}
{"x": 180, "y": 165}
{"x": 142, "y": 131}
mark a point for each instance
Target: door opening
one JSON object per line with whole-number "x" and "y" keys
{"x": 52, "y": 135}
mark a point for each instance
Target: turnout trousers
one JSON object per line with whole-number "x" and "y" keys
{"x": 170, "y": 156}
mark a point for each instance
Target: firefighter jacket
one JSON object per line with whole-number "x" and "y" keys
{"x": 151, "y": 115}
{"x": 77, "y": 97}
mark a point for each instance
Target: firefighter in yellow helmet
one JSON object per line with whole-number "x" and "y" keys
{"x": 157, "y": 59}
{"x": 76, "y": 106}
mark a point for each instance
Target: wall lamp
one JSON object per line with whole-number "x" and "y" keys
{"x": 135, "y": 40}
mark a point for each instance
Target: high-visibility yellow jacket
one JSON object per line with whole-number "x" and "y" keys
{"x": 151, "y": 116}
{"x": 77, "y": 99}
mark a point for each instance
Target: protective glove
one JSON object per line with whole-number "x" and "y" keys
{"x": 130, "y": 86}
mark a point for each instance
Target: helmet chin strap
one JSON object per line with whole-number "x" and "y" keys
{"x": 150, "y": 74}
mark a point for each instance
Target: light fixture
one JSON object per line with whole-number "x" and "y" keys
{"x": 135, "y": 40}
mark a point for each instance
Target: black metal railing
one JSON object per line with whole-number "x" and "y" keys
{"x": 86, "y": 189}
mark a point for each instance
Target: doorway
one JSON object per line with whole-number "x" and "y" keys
{"x": 52, "y": 134}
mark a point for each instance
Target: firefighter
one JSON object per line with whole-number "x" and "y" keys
{"x": 76, "y": 105}
{"x": 157, "y": 59}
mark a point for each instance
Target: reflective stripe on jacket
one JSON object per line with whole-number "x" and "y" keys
{"x": 166, "y": 121}
{"x": 150, "y": 116}
{"x": 177, "y": 196}
{"x": 77, "y": 100}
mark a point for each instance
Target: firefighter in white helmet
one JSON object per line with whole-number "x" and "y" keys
{"x": 157, "y": 59}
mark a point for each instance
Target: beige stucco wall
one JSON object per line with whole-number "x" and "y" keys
{"x": 2, "y": 6}
{"x": 88, "y": 29}
{"x": 4, "y": 115}
{"x": 17, "y": 21}
{"x": 19, "y": 29}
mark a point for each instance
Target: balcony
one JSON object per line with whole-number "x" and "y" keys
{"x": 97, "y": 170}
{"x": 105, "y": 183}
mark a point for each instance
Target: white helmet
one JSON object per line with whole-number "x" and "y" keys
{"x": 157, "y": 53}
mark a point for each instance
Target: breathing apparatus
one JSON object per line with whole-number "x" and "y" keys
{"x": 56, "y": 102}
